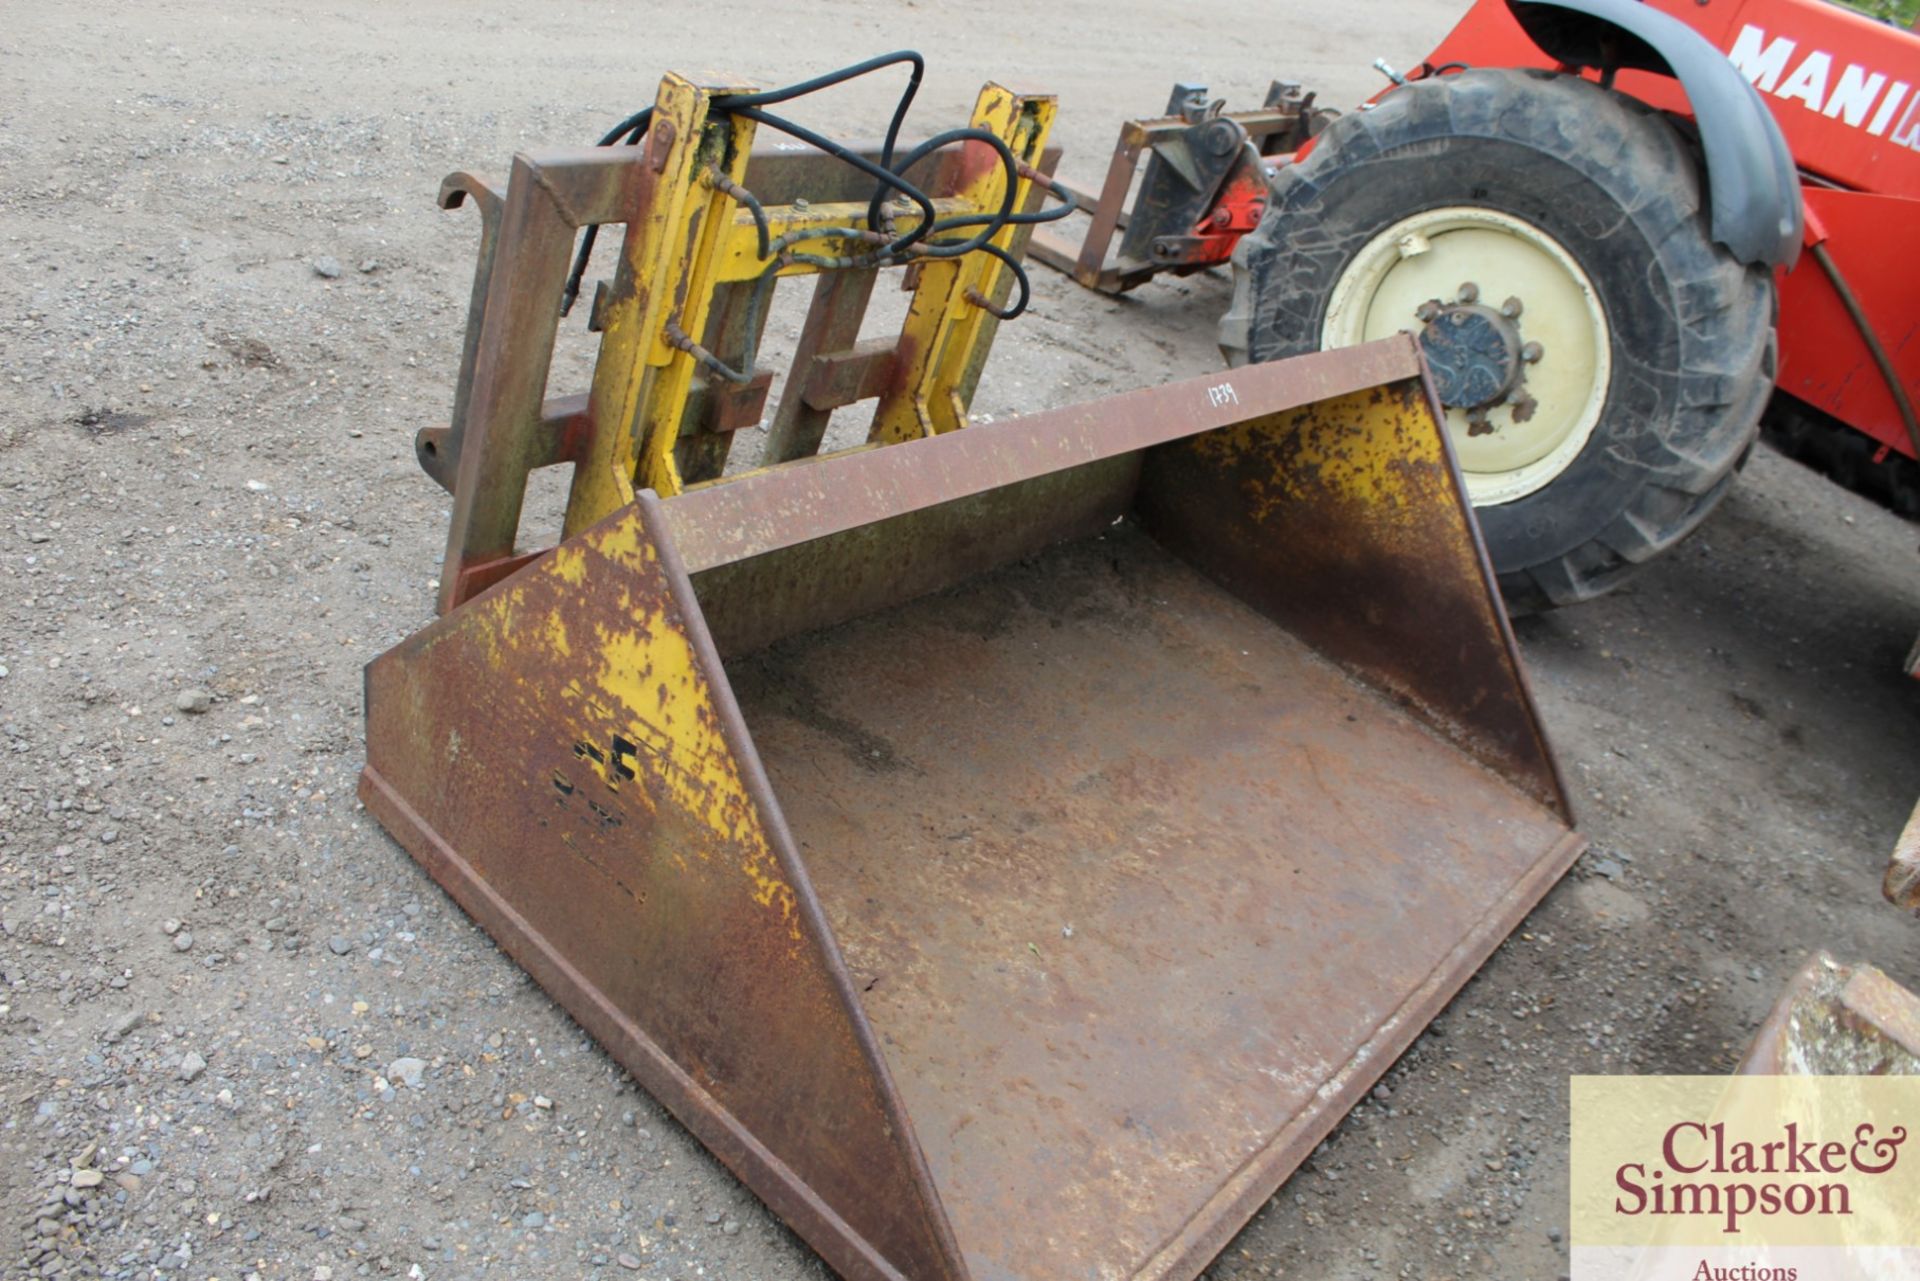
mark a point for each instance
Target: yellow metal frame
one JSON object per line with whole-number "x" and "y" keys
{"x": 693, "y": 237}
{"x": 684, "y": 295}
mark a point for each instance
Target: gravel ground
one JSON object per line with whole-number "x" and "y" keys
{"x": 242, "y": 1034}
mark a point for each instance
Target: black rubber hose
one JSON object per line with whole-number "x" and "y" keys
{"x": 769, "y": 96}
{"x": 1019, "y": 278}
{"x": 633, "y": 129}
{"x": 929, "y": 227}
{"x": 1055, "y": 188}
{"x": 635, "y": 124}
{"x": 725, "y": 102}
{"x": 888, "y": 175}
{"x": 859, "y": 162}
{"x": 754, "y": 207}
{"x": 1901, "y": 402}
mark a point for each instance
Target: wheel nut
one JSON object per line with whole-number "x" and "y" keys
{"x": 1469, "y": 292}
{"x": 1477, "y": 424}
{"x": 1427, "y": 310}
{"x": 1531, "y": 353}
{"x": 1511, "y": 309}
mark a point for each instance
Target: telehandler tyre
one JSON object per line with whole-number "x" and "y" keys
{"x": 1603, "y": 363}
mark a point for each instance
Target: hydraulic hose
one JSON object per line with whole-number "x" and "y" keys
{"x": 1901, "y": 402}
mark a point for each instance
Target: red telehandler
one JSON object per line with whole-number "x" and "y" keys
{"x": 1620, "y": 231}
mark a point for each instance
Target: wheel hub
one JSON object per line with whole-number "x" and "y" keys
{"x": 1510, "y": 327}
{"x": 1477, "y": 357}
{"x": 1474, "y": 353}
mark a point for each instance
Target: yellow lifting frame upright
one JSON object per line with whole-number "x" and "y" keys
{"x": 686, "y": 302}
{"x": 694, "y": 237}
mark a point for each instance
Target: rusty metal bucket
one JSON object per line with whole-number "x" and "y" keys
{"x": 1838, "y": 1020}
{"x": 1009, "y": 851}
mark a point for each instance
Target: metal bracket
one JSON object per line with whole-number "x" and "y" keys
{"x": 1204, "y": 186}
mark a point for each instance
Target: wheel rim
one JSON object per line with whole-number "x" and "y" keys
{"x": 1513, "y": 330}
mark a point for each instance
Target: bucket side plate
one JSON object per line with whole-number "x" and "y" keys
{"x": 1345, "y": 521}
{"x": 563, "y": 755}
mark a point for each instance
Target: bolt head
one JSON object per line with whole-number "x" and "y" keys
{"x": 1531, "y": 352}
{"x": 1469, "y": 292}
{"x": 1428, "y": 309}
{"x": 1511, "y": 308}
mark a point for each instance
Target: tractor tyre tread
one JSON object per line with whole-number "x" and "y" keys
{"x": 1616, "y": 184}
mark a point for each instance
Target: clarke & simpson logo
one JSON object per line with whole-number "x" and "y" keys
{"x": 1812, "y": 1175}
{"x": 1744, "y": 1179}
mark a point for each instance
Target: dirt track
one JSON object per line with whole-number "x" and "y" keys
{"x": 214, "y": 962}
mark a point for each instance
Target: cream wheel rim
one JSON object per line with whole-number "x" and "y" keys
{"x": 1428, "y": 266}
